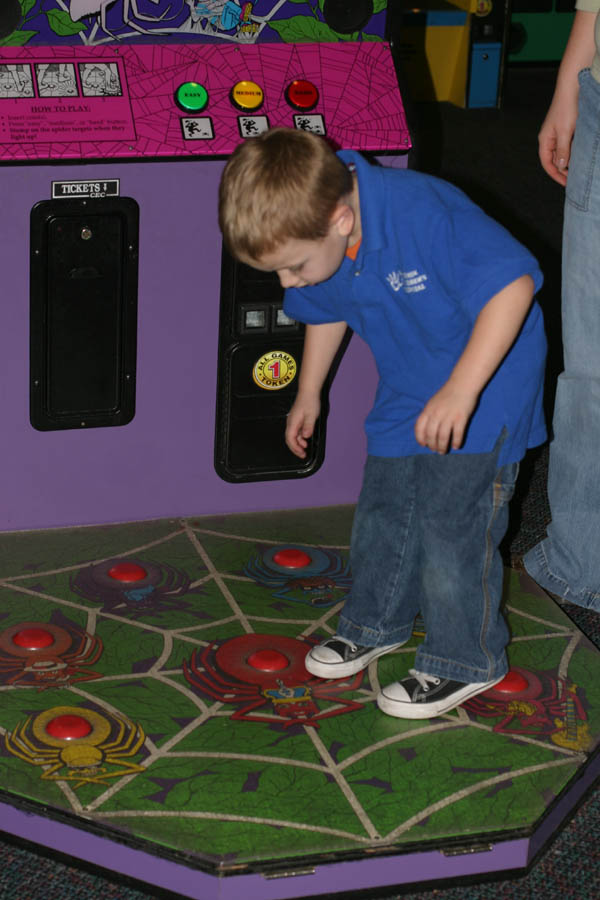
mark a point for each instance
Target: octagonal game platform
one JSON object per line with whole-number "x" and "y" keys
{"x": 158, "y": 721}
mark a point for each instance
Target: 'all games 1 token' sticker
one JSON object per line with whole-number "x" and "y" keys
{"x": 274, "y": 370}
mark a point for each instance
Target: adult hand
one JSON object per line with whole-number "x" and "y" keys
{"x": 556, "y": 136}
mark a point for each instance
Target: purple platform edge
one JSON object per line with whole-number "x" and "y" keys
{"x": 298, "y": 880}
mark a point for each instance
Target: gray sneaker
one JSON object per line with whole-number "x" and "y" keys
{"x": 337, "y": 657}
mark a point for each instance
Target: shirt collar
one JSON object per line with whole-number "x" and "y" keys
{"x": 369, "y": 192}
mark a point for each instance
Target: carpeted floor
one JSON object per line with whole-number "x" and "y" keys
{"x": 492, "y": 154}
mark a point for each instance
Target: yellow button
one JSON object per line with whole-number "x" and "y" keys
{"x": 247, "y": 95}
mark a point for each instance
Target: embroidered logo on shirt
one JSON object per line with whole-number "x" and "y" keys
{"x": 409, "y": 282}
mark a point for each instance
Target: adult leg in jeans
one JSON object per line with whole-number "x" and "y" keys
{"x": 567, "y": 562}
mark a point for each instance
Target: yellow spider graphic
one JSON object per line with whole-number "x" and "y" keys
{"x": 109, "y": 740}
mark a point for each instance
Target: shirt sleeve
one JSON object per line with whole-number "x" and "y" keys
{"x": 477, "y": 257}
{"x": 313, "y": 306}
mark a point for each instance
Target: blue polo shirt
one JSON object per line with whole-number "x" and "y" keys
{"x": 429, "y": 260}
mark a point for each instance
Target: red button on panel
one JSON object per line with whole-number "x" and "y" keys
{"x": 302, "y": 95}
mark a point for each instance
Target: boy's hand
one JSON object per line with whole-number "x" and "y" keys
{"x": 301, "y": 422}
{"x": 444, "y": 419}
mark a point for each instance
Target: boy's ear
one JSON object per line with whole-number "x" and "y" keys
{"x": 343, "y": 219}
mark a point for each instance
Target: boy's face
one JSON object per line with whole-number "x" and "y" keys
{"x": 300, "y": 263}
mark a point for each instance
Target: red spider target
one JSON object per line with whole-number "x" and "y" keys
{"x": 43, "y": 655}
{"x": 542, "y": 706}
{"x": 266, "y": 672}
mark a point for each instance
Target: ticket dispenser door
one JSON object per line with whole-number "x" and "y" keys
{"x": 260, "y": 351}
{"x": 83, "y": 285}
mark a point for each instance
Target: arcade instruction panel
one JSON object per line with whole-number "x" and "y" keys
{"x": 157, "y": 102}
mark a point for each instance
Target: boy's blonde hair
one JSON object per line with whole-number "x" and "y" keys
{"x": 283, "y": 184}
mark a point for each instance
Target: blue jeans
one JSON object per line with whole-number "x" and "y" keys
{"x": 567, "y": 562}
{"x": 425, "y": 538}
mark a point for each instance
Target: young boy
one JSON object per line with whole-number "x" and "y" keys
{"x": 444, "y": 297}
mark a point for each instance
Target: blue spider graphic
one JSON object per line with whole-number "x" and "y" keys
{"x": 303, "y": 574}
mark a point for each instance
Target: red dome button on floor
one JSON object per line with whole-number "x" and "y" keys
{"x": 292, "y": 558}
{"x": 268, "y": 660}
{"x": 68, "y": 727}
{"x": 512, "y": 683}
{"x": 127, "y": 572}
{"x": 33, "y": 638}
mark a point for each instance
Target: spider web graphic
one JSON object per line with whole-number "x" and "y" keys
{"x": 359, "y": 99}
{"x": 258, "y": 787}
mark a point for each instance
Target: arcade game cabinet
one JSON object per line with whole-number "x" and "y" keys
{"x": 452, "y": 51}
{"x": 111, "y": 156}
{"x": 539, "y": 30}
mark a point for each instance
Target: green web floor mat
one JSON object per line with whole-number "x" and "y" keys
{"x": 153, "y": 693}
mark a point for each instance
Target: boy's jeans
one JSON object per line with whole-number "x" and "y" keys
{"x": 425, "y": 538}
{"x": 567, "y": 562}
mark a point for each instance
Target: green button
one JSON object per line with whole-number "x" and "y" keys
{"x": 191, "y": 96}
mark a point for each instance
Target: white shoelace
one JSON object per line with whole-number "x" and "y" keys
{"x": 424, "y": 680}
{"x": 338, "y": 637}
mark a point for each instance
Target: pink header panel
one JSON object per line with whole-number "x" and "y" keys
{"x": 157, "y": 101}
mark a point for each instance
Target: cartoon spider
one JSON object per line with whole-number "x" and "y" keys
{"x": 543, "y": 707}
{"x": 257, "y": 670}
{"x": 133, "y": 588}
{"x": 99, "y": 741}
{"x": 303, "y": 574}
{"x": 44, "y": 655}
